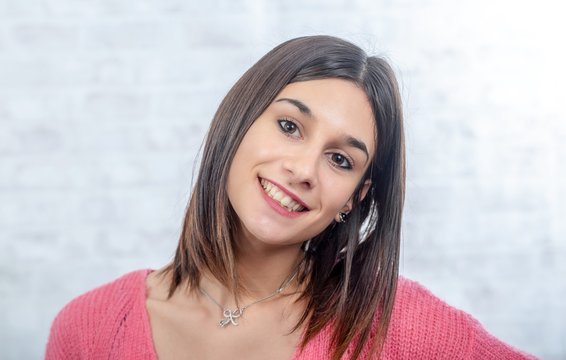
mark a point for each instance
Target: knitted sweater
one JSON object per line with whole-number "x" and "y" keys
{"x": 111, "y": 322}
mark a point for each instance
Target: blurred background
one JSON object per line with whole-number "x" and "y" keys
{"x": 104, "y": 104}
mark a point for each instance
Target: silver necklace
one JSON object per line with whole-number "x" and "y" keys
{"x": 231, "y": 316}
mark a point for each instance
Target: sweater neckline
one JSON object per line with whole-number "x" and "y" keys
{"x": 147, "y": 324}
{"x": 145, "y": 314}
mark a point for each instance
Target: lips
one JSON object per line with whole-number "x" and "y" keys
{"x": 283, "y": 198}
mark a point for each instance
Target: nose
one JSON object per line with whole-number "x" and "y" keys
{"x": 302, "y": 166}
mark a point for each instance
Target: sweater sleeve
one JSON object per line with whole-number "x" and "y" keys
{"x": 106, "y": 322}
{"x": 425, "y": 327}
{"x": 485, "y": 346}
{"x": 75, "y": 330}
{"x": 63, "y": 340}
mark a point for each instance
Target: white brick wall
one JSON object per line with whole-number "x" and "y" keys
{"x": 103, "y": 105}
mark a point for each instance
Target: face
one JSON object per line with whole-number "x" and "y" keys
{"x": 301, "y": 160}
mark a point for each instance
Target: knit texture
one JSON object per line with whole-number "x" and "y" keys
{"x": 111, "y": 322}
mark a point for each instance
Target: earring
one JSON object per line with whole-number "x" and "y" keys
{"x": 342, "y": 217}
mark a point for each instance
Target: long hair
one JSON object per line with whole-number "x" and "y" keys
{"x": 350, "y": 270}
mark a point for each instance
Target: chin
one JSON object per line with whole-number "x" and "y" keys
{"x": 269, "y": 235}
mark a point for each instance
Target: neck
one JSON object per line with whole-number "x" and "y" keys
{"x": 261, "y": 270}
{"x": 262, "y": 267}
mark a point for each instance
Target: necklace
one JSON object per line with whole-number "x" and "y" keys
{"x": 231, "y": 316}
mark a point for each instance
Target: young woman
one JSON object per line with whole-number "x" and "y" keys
{"x": 290, "y": 243}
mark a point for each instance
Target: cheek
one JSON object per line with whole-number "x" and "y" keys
{"x": 249, "y": 146}
{"x": 257, "y": 141}
{"x": 336, "y": 193}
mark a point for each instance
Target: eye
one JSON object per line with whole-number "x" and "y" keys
{"x": 289, "y": 127}
{"x": 341, "y": 161}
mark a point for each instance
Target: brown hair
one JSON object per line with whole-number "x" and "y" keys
{"x": 355, "y": 262}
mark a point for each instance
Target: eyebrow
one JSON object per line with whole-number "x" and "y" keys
{"x": 304, "y": 109}
{"x": 352, "y": 141}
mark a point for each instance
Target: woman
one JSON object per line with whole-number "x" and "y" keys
{"x": 290, "y": 243}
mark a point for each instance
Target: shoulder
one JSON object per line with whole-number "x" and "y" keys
{"x": 424, "y": 326}
{"x": 105, "y": 297}
{"x": 415, "y": 301}
{"x": 89, "y": 315}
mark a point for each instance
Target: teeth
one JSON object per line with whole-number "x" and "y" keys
{"x": 285, "y": 202}
{"x": 280, "y": 196}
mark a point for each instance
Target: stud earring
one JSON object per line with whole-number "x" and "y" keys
{"x": 342, "y": 217}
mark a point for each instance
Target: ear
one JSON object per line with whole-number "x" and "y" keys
{"x": 365, "y": 189}
{"x": 348, "y": 207}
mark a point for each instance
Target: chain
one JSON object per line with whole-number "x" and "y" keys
{"x": 231, "y": 316}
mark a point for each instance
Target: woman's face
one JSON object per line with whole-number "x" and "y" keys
{"x": 300, "y": 161}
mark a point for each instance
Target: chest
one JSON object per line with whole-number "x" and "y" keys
{"x": 193, "y": 333}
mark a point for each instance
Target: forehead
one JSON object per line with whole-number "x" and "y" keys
{"x": 337, "y": 104}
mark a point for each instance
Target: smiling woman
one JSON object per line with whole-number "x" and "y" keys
{"x": 300, "y": 148}
{"x": 273, "y": 261}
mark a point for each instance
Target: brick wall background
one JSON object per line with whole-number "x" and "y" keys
{"x": 103, "y": 105}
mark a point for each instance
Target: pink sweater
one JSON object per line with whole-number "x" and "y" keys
{"x": 111, "y": 322}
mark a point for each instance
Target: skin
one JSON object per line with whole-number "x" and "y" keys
{"x": 311, "y": 156}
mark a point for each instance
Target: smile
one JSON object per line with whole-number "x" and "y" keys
{"x": 281, "y": 197}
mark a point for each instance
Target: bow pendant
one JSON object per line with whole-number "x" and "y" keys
{"x": 230, "y": 317}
